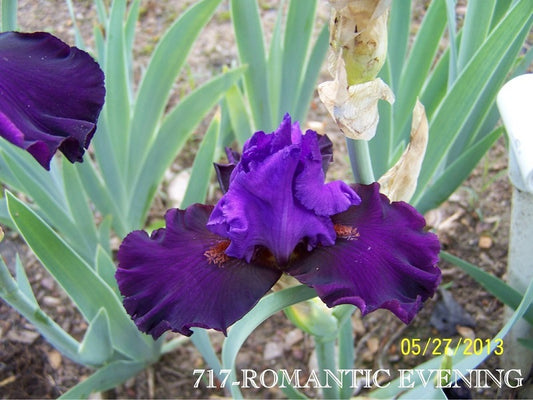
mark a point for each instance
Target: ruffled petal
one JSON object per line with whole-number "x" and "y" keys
{"x": 382, "y": 258}
{"x": 50, "y": 95}
{"x": 259, "y": 209}
{"x": 323, "y": 198}
{"x": 180, "y": 277}
{"x": 277, "y": 197}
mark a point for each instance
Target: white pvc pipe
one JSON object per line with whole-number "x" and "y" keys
{"x": 515, "y": 103}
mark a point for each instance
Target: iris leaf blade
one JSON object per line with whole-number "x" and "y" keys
{"x": 238, "y": 114}
{"x": 117, "y": 105}
{"x": 475, "y": 29}
{"x": 104, "y": 234}
{"x": 9, "y": 15}
{"x": 495, "y": 286}
{"x": 381, "y": 144}
{"x": 25, "y": 168}
{"x": 99, "y": 44}
{"x": 101, "y": 12}
{"x": 456, "y": 173}
{"x": 80, "y": 43}
{"x": 202, "y": 167}
{"x": 436, "y": 86}
{"x": 49, "y": 207}
{"x": 452, "y": 48}
{"x": 481, "y": 110}
{"x": 105, "y": 378}
{"x": 251, "y": 48}
{"x": 499, "y": 11}
{"x": 105, "y": 268}
{"x": 129, "y": 28}
{"x": 102, "y": 196}
{"x": 201, "y": 341}
{"x": 110, "y": 169}
{"x": 418, "y": 64}
{"x": 23, "y": 283}
{"x": 80, "y": 281}
{"x": 275, "y": 64}
{"x": 267, "y": 306}
{"x": 163, "y": 68}
{"x": 466, "y": 91}
{"x": 399, "y": 29}
{"x": 78, "y": 204}
{"x": 28, "y": 307}
{"x": 296, "y": 41}
{"x": 176, "y": 128}
{"x": 310, "y": 77}
{"x": 96, "y": 347}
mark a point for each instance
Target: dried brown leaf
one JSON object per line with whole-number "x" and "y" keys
{"x": 399, "y": 183}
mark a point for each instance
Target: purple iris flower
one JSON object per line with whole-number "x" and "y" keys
{"x": 50, "y": 95}
{"x": 211, "y": 264}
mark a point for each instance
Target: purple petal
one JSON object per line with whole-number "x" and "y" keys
{"x": 224, "y": 171}
{"x": 277, "y": 197}
{"x": 382, "y": 258}
{"x": 309, "y": 188}
{"x": 50, "y": 95}
{"x": 180, "y": 277}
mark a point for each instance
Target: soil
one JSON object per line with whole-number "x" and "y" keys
{"x": 473, "y": 224}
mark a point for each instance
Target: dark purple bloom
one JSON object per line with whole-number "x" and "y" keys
{"x": 50, "y": 95}
{"x": 209, "y": 266}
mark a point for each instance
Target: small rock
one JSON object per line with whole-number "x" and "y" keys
{"x": 485, "y": 242}
{"x": 47, "y": 283}
{"x": 55, "y": 359}
{"x": 293, "y": 337}
{"x": 373, "y": 345}
{"x": 272, "y": 350}
{"x": 51, "y": 301}
{"x": 23, "y": 336}
{"x": 466, "y": 332}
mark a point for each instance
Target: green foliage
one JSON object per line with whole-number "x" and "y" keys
{"x": 457, "y": 85}
{"x": 284, "y": 78}
{"x": 9, "y": 15}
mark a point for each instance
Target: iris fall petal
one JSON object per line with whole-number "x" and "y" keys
{"x": 180, "y": 278}
{"x": 382, "y": 258}
{"x": 50, "y": 95}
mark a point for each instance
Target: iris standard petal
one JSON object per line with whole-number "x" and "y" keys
{"x": 50, "y": 95}
{"x": 309, "y": 187}
{"x": 180, "y": 277}
{"x": 259, "y": 209}
{"x": 272, "y": 196}
{"x": 382, "y": 258}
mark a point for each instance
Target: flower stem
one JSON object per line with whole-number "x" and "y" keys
{"x": 346, "y": 356}
{"x": 360, "y": 161}
{"x": 9, "y": 16}
{"x": 325, "y": 354}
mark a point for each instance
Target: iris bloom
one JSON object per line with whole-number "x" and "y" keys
{"x": 211, "y": 264}
{"x": 50, "y": 95}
